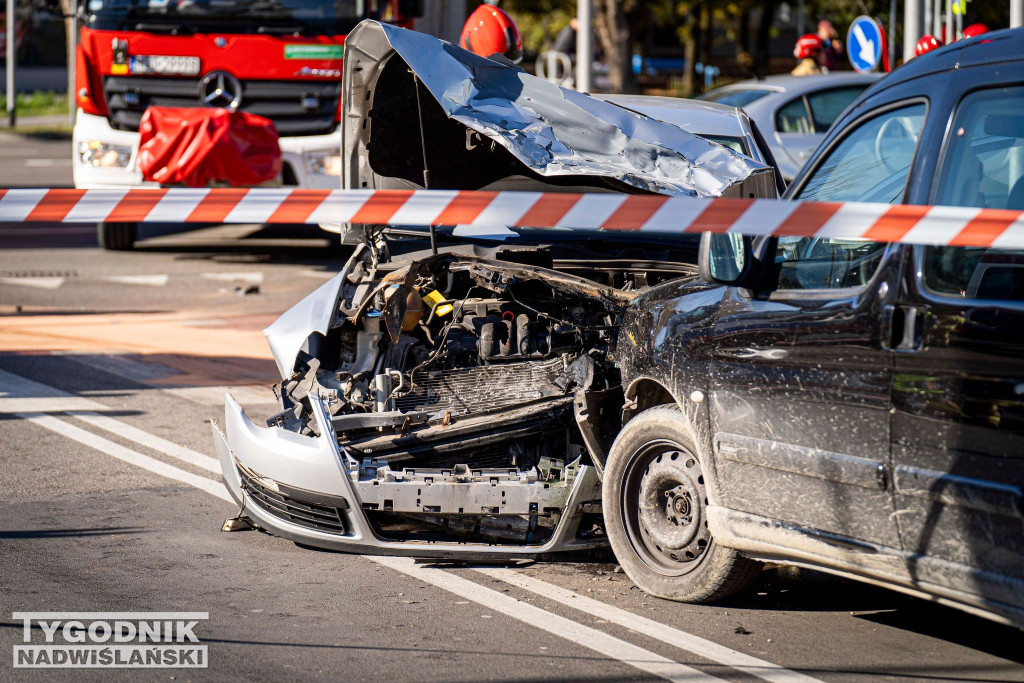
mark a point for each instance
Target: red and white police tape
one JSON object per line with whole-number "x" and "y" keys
{"x": 943, "y": 225}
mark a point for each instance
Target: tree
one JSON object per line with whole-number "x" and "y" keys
{"x": 616, "y": 41}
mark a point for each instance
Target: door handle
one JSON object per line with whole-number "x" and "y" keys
{"x": 903, "y": 328}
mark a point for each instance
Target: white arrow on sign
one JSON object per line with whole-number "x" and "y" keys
{"x": 867, "y": 47}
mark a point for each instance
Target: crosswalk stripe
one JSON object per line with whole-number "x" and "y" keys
{"x": 125, "y": 454}
{"x": 700, "y": 646}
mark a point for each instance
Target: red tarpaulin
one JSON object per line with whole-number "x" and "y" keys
{"x": 189, "y": 146}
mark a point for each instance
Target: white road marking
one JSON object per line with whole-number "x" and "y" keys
{"x": 116, "y": 450}
{"x": 47, "y": 163}
{"x": 150, "y": 280}
{"x": 37, "y": 282}
{"x": 567, "y": 629}
{"x": 319, "y": 274}
{"x": 214, "y": 396}
{"x": 255, "y": 278}
{"x": 122, "y": 365}
{"x": 19, "y": 395}
{"x": 144, "y": 438}
{"x": 705, "y": 648}
{"x": 585, "y": 636}
{"x": 562, "y": 627}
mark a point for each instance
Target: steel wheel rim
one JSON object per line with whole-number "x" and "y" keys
{"x": 664, "y": 507}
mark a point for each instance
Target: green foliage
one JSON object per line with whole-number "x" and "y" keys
{"x": 38, "y": 103}
{"x": 539, "y": 21}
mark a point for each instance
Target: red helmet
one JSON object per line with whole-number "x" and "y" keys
{"x": 927, "y": 43}
{"x": 807, "y": 46}
{"x": 975, "y": 30}
{"x": 490, "y": 31}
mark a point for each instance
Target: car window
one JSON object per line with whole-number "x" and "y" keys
{"x": 872, "y": 163}
{"x": 735, "y": 144}
{"x": 826, "y": 262}
{"x": 794, "y": 118}
{"x": 974, "y": 272}
{"x": 735, "y": 98}
{"x": 983, "y": 166}
{"x": 827, "y": 105}
{"x": 984, "y": 161}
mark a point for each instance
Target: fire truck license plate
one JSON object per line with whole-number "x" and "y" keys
{"x": 162, "y": 64}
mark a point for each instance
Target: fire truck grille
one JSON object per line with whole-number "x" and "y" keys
{"x": 295, "y": 107}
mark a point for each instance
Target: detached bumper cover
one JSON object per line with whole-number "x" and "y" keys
{"x": 299, "y": 487}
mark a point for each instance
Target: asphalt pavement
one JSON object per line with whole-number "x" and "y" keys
{"x": 112, "y": 366}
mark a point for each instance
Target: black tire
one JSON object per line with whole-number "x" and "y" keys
{"x": 117, "y": 236}
{"x": 666, "y": 547}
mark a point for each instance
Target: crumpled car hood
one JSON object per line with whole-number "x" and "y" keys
{"x": 553, "y": 132}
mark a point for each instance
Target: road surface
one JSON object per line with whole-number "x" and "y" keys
{"x": 113, "y": 364}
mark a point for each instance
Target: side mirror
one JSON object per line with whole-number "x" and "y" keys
{"x": 725, "y": 258}
{"x": 410, "y": 9}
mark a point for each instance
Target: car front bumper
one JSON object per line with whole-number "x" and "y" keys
{"x": 299, "y": 487}
{"x": 294, "y": 151}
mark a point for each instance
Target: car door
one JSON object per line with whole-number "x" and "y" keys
{"x": 958, "y": 421}
{"x": 801, "y": 373}
{"x": 801, "y": 123}
{"x": 796, "y": 136}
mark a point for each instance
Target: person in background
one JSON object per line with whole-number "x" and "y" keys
{"x": 927, "y": 43}
{"x": 808, "y": 50}
{"x": 490, "y": 31}
{"x": 565, "y": 41}
{"x": 975, "y": 30}
{"x": 832, "y": 47}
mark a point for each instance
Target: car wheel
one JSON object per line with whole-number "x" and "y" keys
{"x": 117, "y": 236}
{"x": 655, "y": 508}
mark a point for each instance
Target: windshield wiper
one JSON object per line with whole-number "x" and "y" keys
{"x": 173, "y": 28}
{"x": 273, "y": 29}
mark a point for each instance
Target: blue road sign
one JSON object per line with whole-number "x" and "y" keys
{"x": 864, "y": 44}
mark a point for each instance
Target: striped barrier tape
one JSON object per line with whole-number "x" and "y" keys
{"x": 940, "y": 225}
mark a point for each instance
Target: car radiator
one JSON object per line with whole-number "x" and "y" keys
{"x": 485, "y": 388}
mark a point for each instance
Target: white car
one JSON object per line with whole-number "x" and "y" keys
{"x": 794, "y": 112}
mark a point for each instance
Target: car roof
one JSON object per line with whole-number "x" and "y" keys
{"x": 1006, "y": 45}
{"x": 693, "y": 116}
{"x": 942, "y": 72}
{"x": 787, "y": 83}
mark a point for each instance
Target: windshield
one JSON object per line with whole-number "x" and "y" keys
{"x": 233, "y": 16}
{"x": 735, "y": 97}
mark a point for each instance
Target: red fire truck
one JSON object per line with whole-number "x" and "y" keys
{"x": 279, "y": 59}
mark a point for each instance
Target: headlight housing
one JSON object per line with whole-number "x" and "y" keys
{"x": 104, "y": 155}
{"x": 324, "y": 163}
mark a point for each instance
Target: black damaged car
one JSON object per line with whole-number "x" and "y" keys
{"x": 849, "y": 405}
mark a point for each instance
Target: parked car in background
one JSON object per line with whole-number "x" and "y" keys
{"x": 794, "y": 112}
{"x": 850, "y": 405}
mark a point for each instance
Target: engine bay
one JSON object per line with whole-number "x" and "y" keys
{"x": 467, "y": 392}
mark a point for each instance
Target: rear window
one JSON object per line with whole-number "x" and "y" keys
{"x": 827, "y": 105}
{"x": 735, "y": 97}
{"x": 816, "y": 112}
